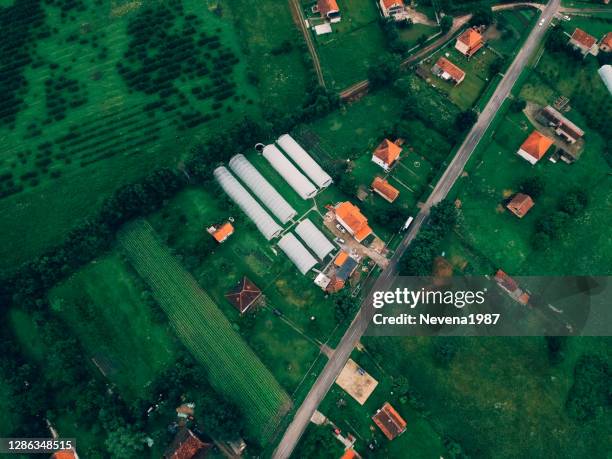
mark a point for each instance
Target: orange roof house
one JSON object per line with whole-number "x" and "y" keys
{"x": 606, "y": 43}
{"x": 393, "y": 9}
{"x": 389, "y": 421}
{"x": 329, "y": 10}
{"x": 341, "y": 258}
{"x": 244, "y": 294}
{"x": 386, "y": 154}
{"x": 351, "y": 218}
{"x": 534, "y": 147}
{"x": 350, "y": 454}
{"x": 583, "y": 41}
{"x": 469, "y": 42}
{"x": 65, "y": 454}
{"x": 385, "y": 189}
{"x": 186, "y": 446}
{"x": 446, "y": 70}
{"x": 221, "y": 233}
{"x": 520, "y": 204}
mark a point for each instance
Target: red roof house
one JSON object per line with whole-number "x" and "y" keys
{"x": 520, "y": 204}
{"x": 534, "y": 147}
{"x": 446, "y": 70}
{"x": 469, "y": 42}
{"x": 386, "y": 154}
{"x": 222, "y": 232}
{"x": 187, "y": 446}
{"x": 351, "y": 218}
{"x": 243, "y": 295}
{"x": 329, "y": 10}
{"x": 389, "y": 421}
{"x": 606, "y": 43}
{"x": 385, "y": 189}
{"x": 583, "y": 41}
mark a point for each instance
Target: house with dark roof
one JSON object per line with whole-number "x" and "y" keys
{"x": 584, "y": 42}
{"x": 187, "y": 446}
{"x": 244, "y": 295}
{"x": 448, "y": 71}
{"x": 520, "y": 204}
{"x": 389, "y": 421}
{"x": 534, "y": 147}
{"x": 386, "y": 154}
{"x": 469, "y": 42}
{"x": 563, "y": 127}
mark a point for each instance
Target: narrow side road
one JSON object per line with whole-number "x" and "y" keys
{"x": 358, "y": 326}
{"x": 298, "y": 17}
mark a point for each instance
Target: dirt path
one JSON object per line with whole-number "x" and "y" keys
{"x": 298, "y": 17}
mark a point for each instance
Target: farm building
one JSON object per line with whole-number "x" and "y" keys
{"x": 389, "y": 421}
{"x": 244, "y": 295}
{"x": 221, "y": 232}
{"x": 394, "y": 9}
{"x": 469, "y": 42}
{"x": 563, "y": 127}
{"x": 328, "y": 9}
{"x": 289, "y": 172}
{"x": 314, "y": 238}
{"x": 304, "y": 161}
{"x": 261, "y": 188}
{"x": 605, "y": 72}
{"x": 351, "y": 218}
{"x": 297, "y": 253}
{"x": 520, "y": 204}
{"x": 606, "y": 43}
{"x": 187, "y": 446}
{"x": 386, "y": 154}
{"x": 448, "y": 71}
{"x": 511, "y": 287}
{"x": 534, "y": 147}
{"x": 385, "y": 189}
{"x": 263, "y": 221}
{"x": 584, "y": 42}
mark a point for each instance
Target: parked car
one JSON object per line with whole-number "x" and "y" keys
{"x": 339, "y": 240}
{"x": 340, "y": 228}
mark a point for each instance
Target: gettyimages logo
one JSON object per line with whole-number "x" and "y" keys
{"x": 497, "y": 305}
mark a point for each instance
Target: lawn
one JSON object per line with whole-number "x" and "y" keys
{"x": 103, "y": 306}
{"x": 493, "y": 385}
{"x": 518, "y": 23}
{"x": 598, "y": 25}
{"x": 420, "y": 437}
{"x": 83, "y": 117}
{"x": 354, "y": 45}
{"x": 263, "y": 28}
{"x": 232, "y": 366}
{"x": 412, "y": 34}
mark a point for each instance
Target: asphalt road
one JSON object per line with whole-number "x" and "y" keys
{"x": 358, "y": 326}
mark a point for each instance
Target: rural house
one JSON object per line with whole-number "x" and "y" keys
{"x": 328, "y": 9}
{"x": 187, "y": 446}
{"x": 389, "y": 421}
{"x": 583, "y": 41}
{"x": 469, "y": 42}
{"x": 448, "y": 71}
{"x": 511, "y": 287}
{"x": 520, "y": 204}
{"x": 534, "y": 147}
{"x": 394, "y": 9}
{"x": 351, "y": 218}
{"x": 222, "y": 232}
{"x": 65, "y": 454}
{"x": 244, "y": 295}
{"x": 345, "y": 267}
{"x": 606, "y": 43}
{"x": 385, "y": 189}
{"x": 386, "y": 154}
{"x": 564, "y": 128}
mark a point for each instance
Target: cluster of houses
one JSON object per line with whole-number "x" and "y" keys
{"x": 328, "y": 13}
{"x": 588, "y": 44}
{"x": 468, "y": 44}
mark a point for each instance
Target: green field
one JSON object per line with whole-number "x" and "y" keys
{"x": 412, "y": 34}
{"x": 104, "y": 308}
{"x": 516, "y": 25}
{"x": 90, "y": 110}
{"x": 232, "y": 366}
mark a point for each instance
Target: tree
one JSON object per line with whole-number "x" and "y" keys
{"x": 444, "y": 349}
{"x": 532, "y": 186}
{"x": 465, "y": 120}
{"x": 590, "y": 390}
{"x": 497, "y": 66}
{"x": 574, "y": 202}
{"x": 344, "y": 305}
{"x": 446, "y": 23}
{"x": 384, "y": 71}
{"x": 125, "y": 442}
{"x": 518, "y": 105}
{"x": 483, "y": 15}
{"x": 556, "y": 348}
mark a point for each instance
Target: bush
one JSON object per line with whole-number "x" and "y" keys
{"x": 590, "y": 391}
{"x": 533, "y": 186}
{"x": 518, "y": 105}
